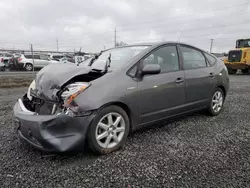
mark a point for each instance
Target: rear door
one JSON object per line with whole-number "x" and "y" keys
{"x": 163, "y": 94}
{"x": 44, "y": 60}
{"x": 37, "y": 61}
{"x": 199, "y": 77}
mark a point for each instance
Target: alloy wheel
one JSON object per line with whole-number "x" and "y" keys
{"x": 28, "y": 67}
{"x": 217, "y": 101}
{"x": 110, "y": 130}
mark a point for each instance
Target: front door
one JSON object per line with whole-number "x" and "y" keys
{"x": 161, "y": 95}
{"x": 199, "y": 77}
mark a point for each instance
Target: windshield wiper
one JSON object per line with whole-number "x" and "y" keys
{"x": 107, "y": 65}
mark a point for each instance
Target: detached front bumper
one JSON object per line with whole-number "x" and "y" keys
{"x": 57, "y": 133}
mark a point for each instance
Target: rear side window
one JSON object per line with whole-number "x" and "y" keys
{"x": 210, "y": 59}
{"x": 28, "y": 56}
{"x": 192, "y": 59}
{"x": 57, "y": 57}
{"x": 36, "y": 57}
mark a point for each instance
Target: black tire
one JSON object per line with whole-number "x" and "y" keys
{"x": 28, "y": 67}
{"x": 245, "y": 71}
{"x": 91, "y": 135}
{"x": 232, "y": 71}
{"x": 211, "y": 110}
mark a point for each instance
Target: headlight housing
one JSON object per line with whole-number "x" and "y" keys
{"x": 72, "y": 91}
{"x": 32, "y": 86}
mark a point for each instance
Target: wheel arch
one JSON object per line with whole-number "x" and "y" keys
{"x": 132, "y": 119}
{"x": 223, "y": 89}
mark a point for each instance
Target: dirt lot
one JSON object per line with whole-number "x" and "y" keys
{"x": 195, "y": 151}
{"x": 12, "y": 81}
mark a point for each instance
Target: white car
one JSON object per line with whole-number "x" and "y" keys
{"x": 55, "y": 56}
{"x": 4, "y": 58}
{"x": 25, "y": 61}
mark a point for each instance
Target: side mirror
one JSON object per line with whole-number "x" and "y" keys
{"x": 151, "y": 69}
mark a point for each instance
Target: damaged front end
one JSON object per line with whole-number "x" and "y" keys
{"x": 47, "y": 116}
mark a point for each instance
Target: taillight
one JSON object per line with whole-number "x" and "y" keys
{"x": 19, "y": 59}
{"x": 2, "y": 60}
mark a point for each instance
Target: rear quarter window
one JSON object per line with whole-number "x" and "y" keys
{"x": 210, "y": 59}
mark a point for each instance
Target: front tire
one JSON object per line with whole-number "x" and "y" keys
{"x": 109, "y": 130}
{"x": 232, "y": 71}
{"x": 216, "y": 102}
{"x": 245, "y": 71}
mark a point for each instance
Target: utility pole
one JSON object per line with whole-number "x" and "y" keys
{"x": 115, "y": 38}
{"x": 211, "y": 45}
{"x": 33, "y": 64}
{"x": 57, "y": 44}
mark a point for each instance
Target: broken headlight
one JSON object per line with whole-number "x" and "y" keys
{"x": 72, "y": 91}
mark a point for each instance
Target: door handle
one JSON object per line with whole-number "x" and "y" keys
{"x": 211, "y": 75}
{"x": 179, "y": 80}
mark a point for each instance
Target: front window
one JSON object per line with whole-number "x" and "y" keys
{"x": 118, "y": 57}
{"x": 166, "y": 57}
{"x": 243, "y": 43}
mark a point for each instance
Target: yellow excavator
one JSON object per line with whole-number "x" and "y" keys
{"x": 239, "y": 58}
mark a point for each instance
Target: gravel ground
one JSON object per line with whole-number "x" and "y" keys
{"x": 195, "y": 151}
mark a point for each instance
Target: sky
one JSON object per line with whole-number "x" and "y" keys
{"x": 90, "y": 25}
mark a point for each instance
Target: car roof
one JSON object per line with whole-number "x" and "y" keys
{"x": 154, "y": 44}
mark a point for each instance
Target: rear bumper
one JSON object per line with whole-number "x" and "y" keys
{"x": 57, "y": 133}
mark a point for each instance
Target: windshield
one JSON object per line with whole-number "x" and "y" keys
{"x": 243, "y": 43}
{"x": 85, "y": 62}
{"x": 119, "y": 56}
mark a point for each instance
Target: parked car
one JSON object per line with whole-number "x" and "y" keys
{"x": 40, "y": 61}
{"x": 56, "y": 57}
{"x": 120, "y": 90}
{"x": 4, "y": 61}
{"x": 5, "y": 57}
{"x": 65, "y": 60}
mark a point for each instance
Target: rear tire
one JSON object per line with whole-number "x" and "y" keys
{"x": 232, "y": 71}
{"x": 108, "y": 130}
{"x": 28, "y": 67}
{"x": 216, "y": 102}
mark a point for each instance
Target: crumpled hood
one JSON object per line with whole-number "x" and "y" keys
{"x": 50, "y": 79}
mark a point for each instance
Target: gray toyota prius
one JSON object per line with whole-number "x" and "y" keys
{"x": 117, "y": 91}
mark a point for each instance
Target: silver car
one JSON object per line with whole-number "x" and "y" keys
{"x": 26, "y": 62}
{"x": 116, "y": 92}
